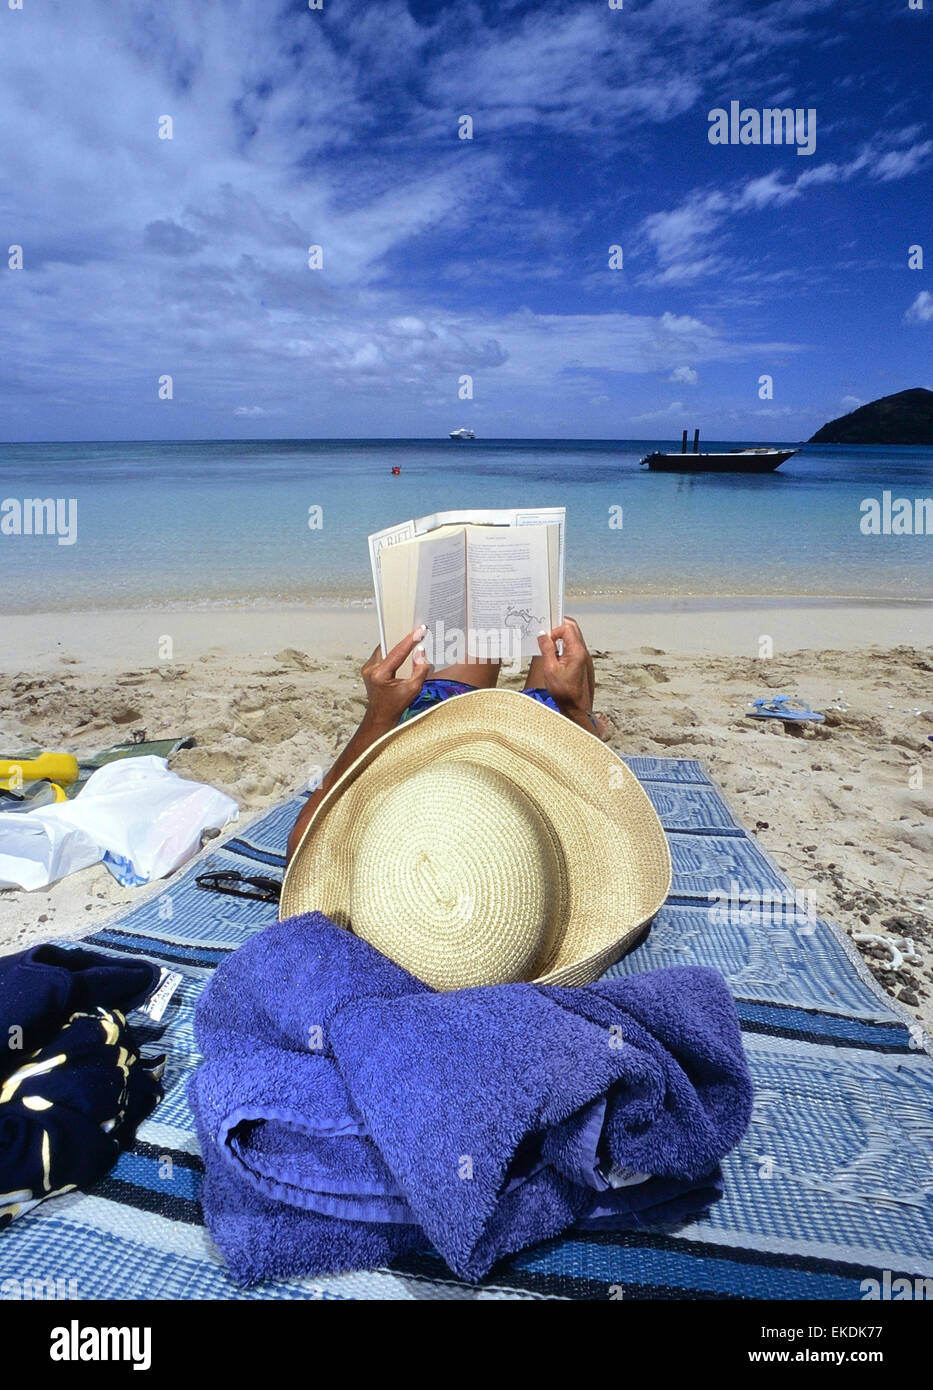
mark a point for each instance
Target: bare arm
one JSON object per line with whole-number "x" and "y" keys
{"x": 387, "y": 699}
{"x": 566, "y": 677}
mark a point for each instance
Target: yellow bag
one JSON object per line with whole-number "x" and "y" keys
{"x": 52, "y": 767}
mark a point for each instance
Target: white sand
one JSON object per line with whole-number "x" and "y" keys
{"x": 271, "y": 695}
{"x": 116, "y": 639}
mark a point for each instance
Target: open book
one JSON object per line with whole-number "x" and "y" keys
{"x": 484, "y": 583}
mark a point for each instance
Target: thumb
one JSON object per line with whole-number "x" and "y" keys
{"x": 546, "y": 643}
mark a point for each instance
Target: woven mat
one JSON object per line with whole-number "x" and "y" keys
{"x": 831, "y": 1186}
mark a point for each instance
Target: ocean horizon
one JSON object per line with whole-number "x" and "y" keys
{"x": 226, "y": 522}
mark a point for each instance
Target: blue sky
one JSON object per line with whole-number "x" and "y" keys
{"x": 444, "y": 257}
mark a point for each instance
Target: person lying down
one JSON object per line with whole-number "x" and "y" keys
{"x": 564, "y": 681}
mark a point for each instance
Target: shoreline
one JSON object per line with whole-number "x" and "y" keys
{"x": 119, "y": 639}
{"x": 629, "y": 598}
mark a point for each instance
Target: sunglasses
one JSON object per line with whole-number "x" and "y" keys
{"x": 237, "y": 885}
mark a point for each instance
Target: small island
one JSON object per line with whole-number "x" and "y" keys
{"x": 904, "y": 418}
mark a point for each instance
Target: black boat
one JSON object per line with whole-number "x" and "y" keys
{"x": 757, "y": 460}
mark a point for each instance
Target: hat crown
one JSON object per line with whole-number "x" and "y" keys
{"x": 608, "y": 858}
{"x": 456, "y": 876}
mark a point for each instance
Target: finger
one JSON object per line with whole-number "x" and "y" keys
{"x": 546, "y": 644}
{"x": 372, "y": 660}
{"x": 399, "y": 652}
{"x": 571, "y": 636}
{"x": 421, "y": 667}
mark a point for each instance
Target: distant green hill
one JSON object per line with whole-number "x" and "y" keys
{"x": 904, "y": 418}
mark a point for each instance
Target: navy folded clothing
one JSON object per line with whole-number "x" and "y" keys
{"x": 348, "y": 1113}
{"x": 41, "y": 988}
{"x": 72, "y": 1085}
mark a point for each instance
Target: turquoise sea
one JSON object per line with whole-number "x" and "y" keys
{"x": 227, "y": 521}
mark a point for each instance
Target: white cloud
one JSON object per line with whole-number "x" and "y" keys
{"x": 767, "y": 191}
{"x": 851, "y": 403}
{"x": 667, "y": 412}
{"x": 539, "y": 345}
{"x": 189, "y": 256}
{"x": 921, "y": 311}
{"x": 688, "y": 240}
{"x": 687, "y": 376}
{"x": 897, "y": 164}
{"x": 875, "y": 161}
{"x": 567, "y": 71}
{"x": 677, "y": 235}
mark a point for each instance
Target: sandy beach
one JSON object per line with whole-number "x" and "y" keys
{"x": 271, "y": 695}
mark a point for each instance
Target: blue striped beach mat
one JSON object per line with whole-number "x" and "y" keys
{"x": 831, "y": 1186}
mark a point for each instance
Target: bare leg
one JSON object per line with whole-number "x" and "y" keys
{"x": 482, "y": 673}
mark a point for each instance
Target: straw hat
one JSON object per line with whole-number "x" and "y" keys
{"x": 484, "y": 841}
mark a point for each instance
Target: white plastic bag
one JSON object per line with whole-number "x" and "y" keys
{"x": 142, "y": 820}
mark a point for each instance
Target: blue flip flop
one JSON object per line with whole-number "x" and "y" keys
{"x": 782, "y": 707}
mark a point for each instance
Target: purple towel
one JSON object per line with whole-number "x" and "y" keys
{"x": 348, "y": 1113}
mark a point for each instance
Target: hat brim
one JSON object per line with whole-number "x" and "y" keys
{"x": 616, "y": 853}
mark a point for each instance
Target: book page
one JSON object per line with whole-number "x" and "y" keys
{"x": 398, "y": 577}
{"x": 424, "y": 581}
{"x": 378, "y": 542}
{"x": 555, "y": 558}
{"x": 518, "y": 516}
{"x": 440, "y": 598}
{"x": 440, "y": 524}
{"x": 508, "y": 588}
{"x": 554, "y": 518}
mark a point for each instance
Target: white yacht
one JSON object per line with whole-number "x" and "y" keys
{"x": 462, "y": 434}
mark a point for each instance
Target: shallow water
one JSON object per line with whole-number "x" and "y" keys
{"x": 227, "y": 521}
